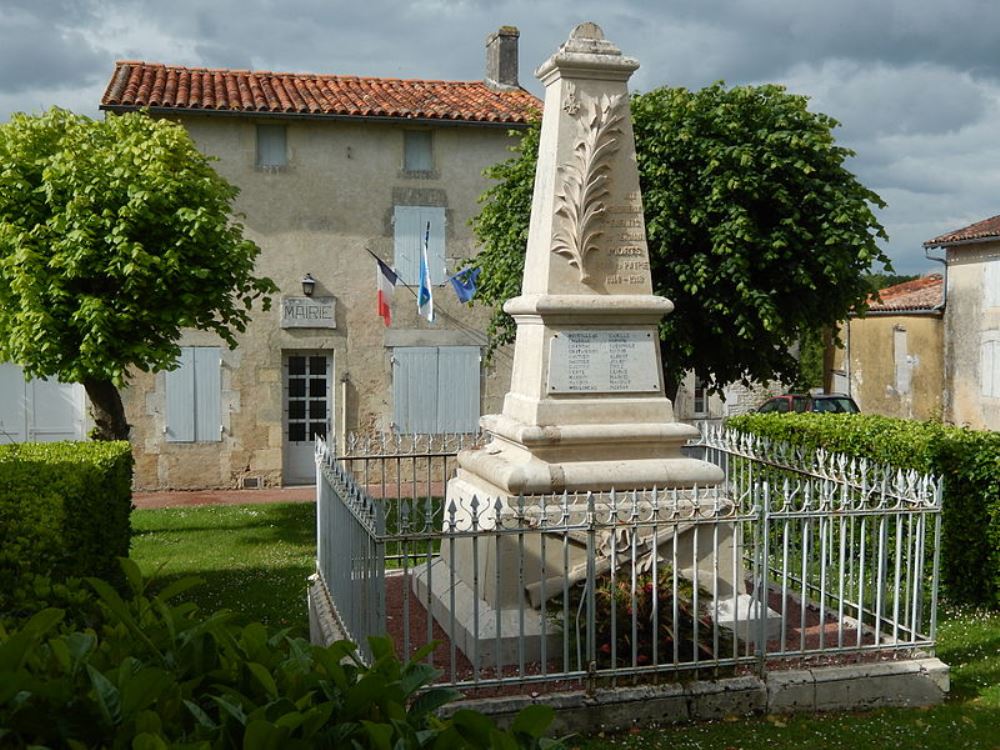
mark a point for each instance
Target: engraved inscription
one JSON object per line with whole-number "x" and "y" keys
{"x": 603, "y": 362}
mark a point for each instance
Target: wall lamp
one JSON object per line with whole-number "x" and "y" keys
{"x": 308, "y": 285}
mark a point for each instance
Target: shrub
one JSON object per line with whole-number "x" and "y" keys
{"x": 967, "y": 460}
{"x": 64, "y": 510}
{"x": 152, "y": 674}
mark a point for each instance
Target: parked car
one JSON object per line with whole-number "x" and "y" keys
{"x": 834, "y": 403}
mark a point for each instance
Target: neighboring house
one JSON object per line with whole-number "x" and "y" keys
{"x": 892, "y": 361}
{"x": 972, "y": 324}
{"x": 330, "y": 168}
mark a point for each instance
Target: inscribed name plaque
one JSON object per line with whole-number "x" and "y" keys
{"x": 308, "y": 312}
{"x": 603, "y": 362}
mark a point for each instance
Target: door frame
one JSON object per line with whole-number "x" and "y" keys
{"x": 289, "y": 475}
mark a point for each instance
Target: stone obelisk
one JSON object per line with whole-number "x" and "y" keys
{"x": 586, "y": 408}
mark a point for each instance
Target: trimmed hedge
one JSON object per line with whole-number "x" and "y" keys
{"x": 64, "y": 510}
{"x": 968, "y": 460}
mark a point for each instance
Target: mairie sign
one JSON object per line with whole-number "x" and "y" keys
{"x": 308, "y": 312}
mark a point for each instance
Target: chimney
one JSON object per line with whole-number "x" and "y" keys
{"x": 501, "y": 58}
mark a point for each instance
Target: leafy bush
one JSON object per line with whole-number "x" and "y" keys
{"x": 150, "y": 674}
{"x": 968, "y": 460}
{"x": 64, "y": 510}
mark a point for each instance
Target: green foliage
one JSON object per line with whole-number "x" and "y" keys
{"x": 757, "y": 231}
{"x": 810, "y": 362}
{"x": 885, "y": 280}
{"x": 114, "y": 235}
{"x": 64, "y": 510}
{"x": 150, "y": 673}
{"x": 617, "y": 602}
{"x": 502, "y": 228}
{"x": 968, "y": 461}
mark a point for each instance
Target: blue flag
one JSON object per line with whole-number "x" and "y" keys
{"x": 464, "y": 283}
{"x": 425, "y": 296}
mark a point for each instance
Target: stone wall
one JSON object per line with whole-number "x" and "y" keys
{"x": 967, "y": 321}
{"x": 320, "y": 215}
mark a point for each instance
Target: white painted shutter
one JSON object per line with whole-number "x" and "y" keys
{"x": 180, "y": 399}
{"x": 208, "y": 393}
{"x": 13, "y": 405}
{"x": 414, "y": 389}
{"x": 409, "y": 228}
{"x": 406, "y": 230}
{"x": 272, "y": 148}
{"x": 435, "y": 243}
{"x": 902, "y": 361}
{"x": 991, "y": 283}
{"x": 56, "y": 410}
{"x": 458, "y": 389}
{"x": 989, "y": 368}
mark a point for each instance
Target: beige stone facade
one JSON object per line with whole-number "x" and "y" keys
{"x": 333, "y": 203}
{"x": 972, "y": 335}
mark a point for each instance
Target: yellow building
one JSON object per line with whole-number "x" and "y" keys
{"x": 892, "y": 363}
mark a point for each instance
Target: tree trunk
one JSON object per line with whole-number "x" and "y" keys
{"x": 107, "y": 410}
{"x": 829, "y": 353}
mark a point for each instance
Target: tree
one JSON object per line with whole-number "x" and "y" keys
{"x": 757, "y": 231}
{"x": 114, "y": 235}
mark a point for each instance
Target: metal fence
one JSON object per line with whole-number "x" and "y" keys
{"x": 793, "y": 557}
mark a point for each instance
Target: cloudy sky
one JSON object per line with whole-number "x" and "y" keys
{"x": 915, "y": 84}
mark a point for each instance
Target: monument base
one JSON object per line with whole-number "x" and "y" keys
{"x": 472, "y": 624}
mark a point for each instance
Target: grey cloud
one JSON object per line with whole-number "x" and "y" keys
{"x": 39, "y": 50}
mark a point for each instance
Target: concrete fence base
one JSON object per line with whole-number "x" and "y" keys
{"x": 912, "y": 683}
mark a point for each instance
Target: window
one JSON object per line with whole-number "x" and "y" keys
{"x": 417, "y": 155}
{"x": 271, "y": 146}
{"x": 410, "y": 225}
{"x": 700, "y": 398}
{"x": 194, "y": 396}
{"x": 435, "y": 389}
{"x": 989, "y": 365}
{"x": 991, "y": 283}
{"x": 901, "y": 360}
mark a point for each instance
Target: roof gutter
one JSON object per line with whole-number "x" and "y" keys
{"x": 935, "y": 311}
{"x": 958, "y": 243}
{"x": 944, "y": 277}
{"x": 369, "y": 119}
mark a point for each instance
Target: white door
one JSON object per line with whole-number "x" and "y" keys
{"x": 39, "y": 411}
{"x": 308, "y": 406}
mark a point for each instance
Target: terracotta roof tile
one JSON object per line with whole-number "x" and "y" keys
{"x": 920, "y": 294}
{"x": 139, "y": 84}
{"x": 987, "y": 229}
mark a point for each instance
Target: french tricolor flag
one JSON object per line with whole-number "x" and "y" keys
{"x": 386, "y": 280}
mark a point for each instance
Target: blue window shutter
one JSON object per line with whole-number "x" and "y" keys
{"x": 208, "y": 394}
{"x": 435, "y": 244}
{"x": 408, "y": 238}
{"x": 414, "y": 389}
{"x": 458, "y": 389}
{"x": 180, "y": 399}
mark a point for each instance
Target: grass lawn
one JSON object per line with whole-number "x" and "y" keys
{"x": 254, "y": 558}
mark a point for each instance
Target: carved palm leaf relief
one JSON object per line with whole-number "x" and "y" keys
{"x": 581, "y": 202}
